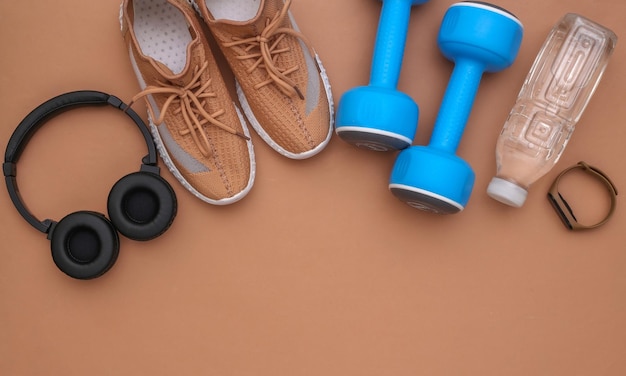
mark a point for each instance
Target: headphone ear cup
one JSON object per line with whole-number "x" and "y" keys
{"x": 142, "y": 205}
{"x": 84, "y": 244}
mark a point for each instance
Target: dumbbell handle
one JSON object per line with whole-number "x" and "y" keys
{"x": 456, "y": 105}
{"x": 390, "y": 43}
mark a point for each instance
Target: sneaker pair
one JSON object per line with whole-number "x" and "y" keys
{"x": 200, "y": 132}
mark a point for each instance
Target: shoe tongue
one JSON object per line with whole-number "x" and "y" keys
{"x": 183, "y": 77}
{"x": 268, "y": 10}
{"x": 163, "y": 69}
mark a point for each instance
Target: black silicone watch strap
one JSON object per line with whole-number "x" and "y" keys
{"x": 563, "y": 209}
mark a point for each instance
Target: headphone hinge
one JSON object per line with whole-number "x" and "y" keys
{"x": 9, "y": 169}
{"x": 116, "y": 102}
{"x": 50, "y": 225}
{"x": 150, "y": 168}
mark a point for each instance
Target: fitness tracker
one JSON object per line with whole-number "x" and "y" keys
{"x": 563, "y": 209}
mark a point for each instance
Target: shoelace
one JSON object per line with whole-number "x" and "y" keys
{"x": 267, "y": 45}
{"x": 190, "y": 101}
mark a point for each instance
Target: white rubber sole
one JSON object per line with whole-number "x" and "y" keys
{"x": 172, "y": 168}
{"x": 266, "y": 137}
{"x": 167, "y": 159}
{"x": 245, "y": 106}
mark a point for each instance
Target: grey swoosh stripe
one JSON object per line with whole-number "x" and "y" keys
{"x": 313, "y": 86}
{"x": 187, "y": 161}
{"x": 182, "y": 157}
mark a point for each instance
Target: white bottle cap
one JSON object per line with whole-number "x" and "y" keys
{"x": 507, "y": 192}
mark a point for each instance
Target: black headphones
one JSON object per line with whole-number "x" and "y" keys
{"x": 141, "y": 205}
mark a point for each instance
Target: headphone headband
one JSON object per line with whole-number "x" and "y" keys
{"x": 37, "y": 117}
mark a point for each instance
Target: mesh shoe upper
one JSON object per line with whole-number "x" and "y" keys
{"x": 281, "y": 84}
{"x": 199, "y": 132}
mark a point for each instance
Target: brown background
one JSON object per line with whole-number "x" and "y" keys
{"x": 320, "y": 270}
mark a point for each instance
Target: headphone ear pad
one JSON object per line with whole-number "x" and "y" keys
{"x": 142, "y": 205}
{"x": 84, "y": 244}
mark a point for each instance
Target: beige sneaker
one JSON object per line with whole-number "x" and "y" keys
{"x": 281, "y": 83}
{"x": 200, "y": 133}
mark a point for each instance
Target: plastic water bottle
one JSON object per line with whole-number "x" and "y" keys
{"x": 555, "y": 93}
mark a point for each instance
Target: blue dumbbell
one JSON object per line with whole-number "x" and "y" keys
{"x": 478, "y": 37}
{"x": 378, "y": 116}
